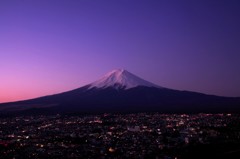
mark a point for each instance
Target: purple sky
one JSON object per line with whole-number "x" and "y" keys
{"x": 51, "y": 46}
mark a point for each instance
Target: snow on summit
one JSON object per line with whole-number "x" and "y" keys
{"x": 120, "y": 78}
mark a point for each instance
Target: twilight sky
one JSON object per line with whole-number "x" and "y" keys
{"x": 51, "y": 46}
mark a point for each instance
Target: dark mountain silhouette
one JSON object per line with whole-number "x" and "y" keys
{"x": 122, "y": 92}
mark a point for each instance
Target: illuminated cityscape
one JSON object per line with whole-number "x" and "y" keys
{"x": 142, "y": 135}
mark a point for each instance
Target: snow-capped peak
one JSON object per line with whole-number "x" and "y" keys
{"x": 120, "y": 78}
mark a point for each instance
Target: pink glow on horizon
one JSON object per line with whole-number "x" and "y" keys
{"x": 17, "y": 93}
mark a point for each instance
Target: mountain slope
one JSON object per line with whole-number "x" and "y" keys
{"x": 121, "y": 91}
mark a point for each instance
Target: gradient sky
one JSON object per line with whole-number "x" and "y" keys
{"x": 51, "y": 46}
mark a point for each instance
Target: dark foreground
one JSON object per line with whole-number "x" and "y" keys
{"x": 143, "y": 135}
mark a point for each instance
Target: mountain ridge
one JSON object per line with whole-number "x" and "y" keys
{"x": 121, "y": 91}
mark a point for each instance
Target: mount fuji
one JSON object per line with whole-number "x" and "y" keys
{"x": 121, "y": 79}
{"x": 120, "y": 91}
